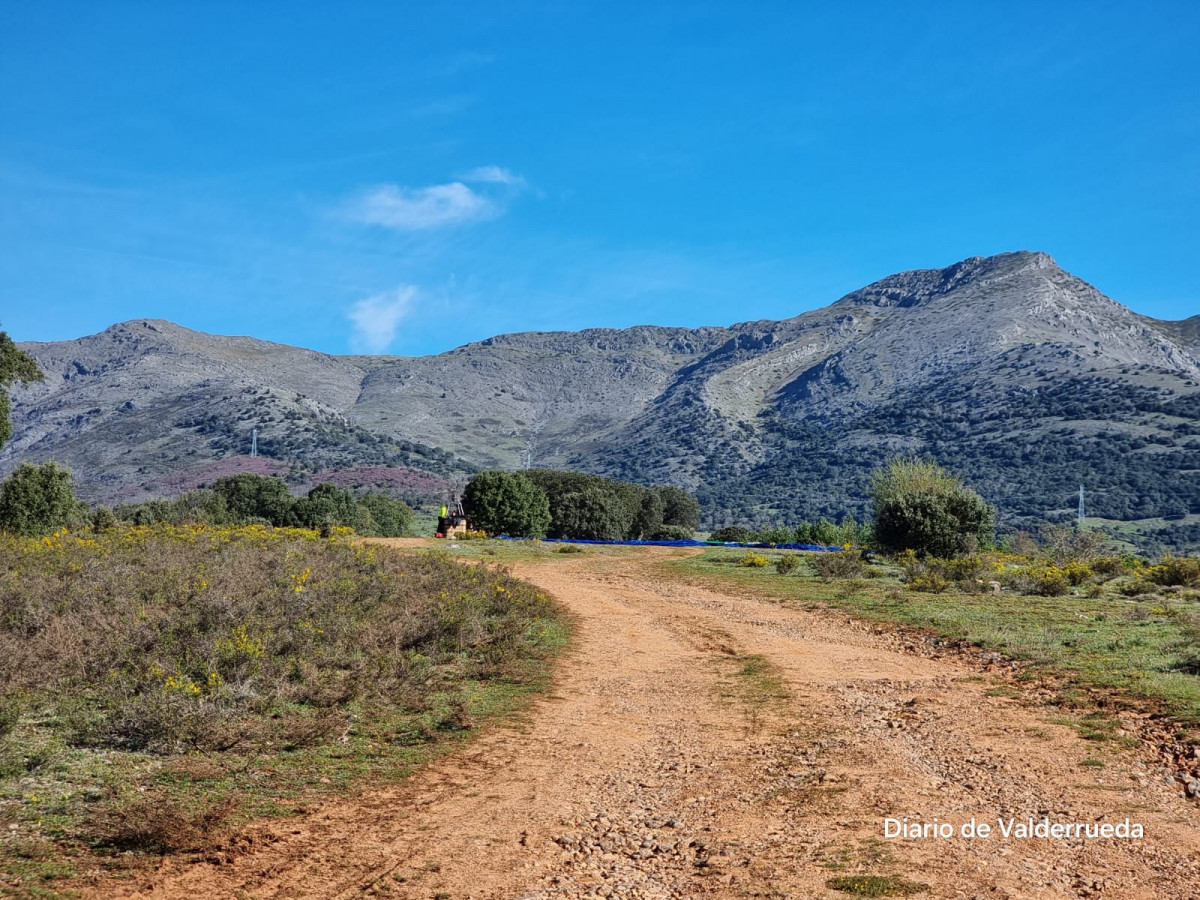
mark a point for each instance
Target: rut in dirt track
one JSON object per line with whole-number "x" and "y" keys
{"x": 697, "y": 744}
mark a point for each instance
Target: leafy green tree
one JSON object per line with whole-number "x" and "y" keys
{"x": 649, "y": 518}
{"x": 671, "y": 533}
{"x": 392, "y": 518}
{"x": 592, "y": 514}
{"x": 37, "y": 500}
{"x": 679, "y": 507}
{"x": 203, "y": 506}
{"x": 732, "y": 534}
{"x": 326, "y": 503}
{"x": 506, "y": 503}
{"x": 920, "y": 506}
{"x": 15, "y": 366}
{"x": 625, "y": 498}
{"x": 251, "y": 496}
{"x": 774, "y": 535}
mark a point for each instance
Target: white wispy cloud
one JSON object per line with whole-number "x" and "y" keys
{"x": 437, "y": 205}
{"x": 493, "y": 175}
{"x": 416, "y": 209}
{"x": 377, "y": 318}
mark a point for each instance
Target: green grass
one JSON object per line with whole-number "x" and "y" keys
{"x": 875, "y": 885}
{"x": 1108, "y": 644}
{"x": 758, "y": 681}
{"x": 752, "y": 682}
{"x": 533, "y": 551}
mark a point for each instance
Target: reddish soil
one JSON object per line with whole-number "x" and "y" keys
{"x": 653, "y": 769}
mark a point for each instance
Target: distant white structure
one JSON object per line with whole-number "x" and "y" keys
{"x": 1081, "y": 507}
{"x": 254, "y": 444}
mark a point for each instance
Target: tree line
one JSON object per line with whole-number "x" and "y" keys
{"x": 39, "y": 499}
{"x": 559, "y": 504}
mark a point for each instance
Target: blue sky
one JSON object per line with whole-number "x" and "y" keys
{"x": 408, "y": 177}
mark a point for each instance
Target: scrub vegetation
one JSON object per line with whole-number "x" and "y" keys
{"x": 161, "y": 684}
{"x": 1081, "y": 623}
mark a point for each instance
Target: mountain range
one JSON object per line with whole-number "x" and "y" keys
{"x": 1022, "y": 377}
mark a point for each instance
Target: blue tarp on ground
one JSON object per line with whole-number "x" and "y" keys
{"x": 686, "y": 543}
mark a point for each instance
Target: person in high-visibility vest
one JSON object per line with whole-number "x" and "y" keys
{"x": 444, "y": 510}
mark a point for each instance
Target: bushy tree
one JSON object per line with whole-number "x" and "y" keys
{"x": 506, "y": 503}
{"x": 15, "y": 366}
{"x": 649, "y": 518}
{"x": 825, "y": 533}
{"x": 203, "y": 506}
{"x": 636, "y": 511}
{"x": 671, "y": 533}
{"x": 251, "y": 496}
{"x": 592, "y": 514}
{"x": 679, "y": 507}
{"x": 325, "y": 504}
{"x": 920, "y": 506}
{"x": 392, "y": 517}
{"x": 774, "y": 535}
{"x": 732, "y": 534}
{"x": 37, "y": 500}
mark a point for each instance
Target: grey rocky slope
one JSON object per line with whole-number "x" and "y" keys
{"x": 1018, "y": 373}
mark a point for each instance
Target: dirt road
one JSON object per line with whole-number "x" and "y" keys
{"x": 703, "y": 745}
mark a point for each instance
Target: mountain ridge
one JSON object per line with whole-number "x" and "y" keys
{"x": 1009, "y": 338}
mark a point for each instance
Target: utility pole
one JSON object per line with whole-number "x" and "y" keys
{"x": 254, "y": 445}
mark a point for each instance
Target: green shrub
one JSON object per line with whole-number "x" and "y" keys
{"x": 1052, "y": 582}
{"x": 507, "y": 503}
{"x": 38, "y": 500}
{"x": 732, "y": 534}
{"x": 779, "y": 535}
{"x": 1076, "y": 572}
{"x": 826, "y": 534}
{"x": 920, "y": 506}
{"x": 103, "y": 519}
{"x": 929, "y": 583}
{"x": 1178, "y": 571}
{"x": 787, "y": 563}
{"x": 839, "y": 564}
{"x": 1108, "y": 566}
{"x": 964, "y": 570}
{"x": 671, "y": 533}
{"x": 1135, "y": 586}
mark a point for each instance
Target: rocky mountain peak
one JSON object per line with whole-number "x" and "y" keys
{"x": 919, "y": 286}
{"x": 1022, "y": 375}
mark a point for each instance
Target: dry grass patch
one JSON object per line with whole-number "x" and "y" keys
{"x": 159, "y": 685}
